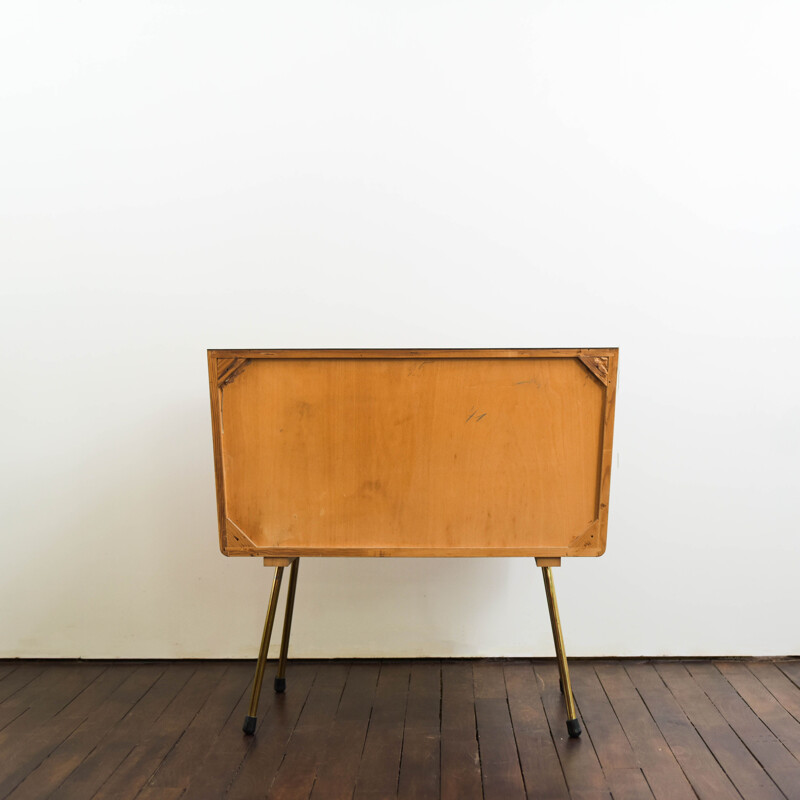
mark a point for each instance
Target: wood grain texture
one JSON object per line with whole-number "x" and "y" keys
{"x": 665, "y": 777}
{"x": 420, "y": 761}
{"x": 463, "y": 728}
{"x": 538, "y": 758}
{"x": 699, "y": 764}
{"x": 460, "y": 756}
{"x": 774, "y": 754}
{"x": 501, "y": 769}
{"x": 746, "y": 774}
{"x": 413, "y": 453}
{"x": 379, "y": 768}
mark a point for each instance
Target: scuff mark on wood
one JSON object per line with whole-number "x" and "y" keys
{"x": 472, "y": 414}
{"x": 417, "y": 368}
{"x": 480, "y": 417}
{"x": 598, "y": 366}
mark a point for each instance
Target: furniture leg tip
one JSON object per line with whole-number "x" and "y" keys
{"x": 249, "y": 726}
{"x": 573, "y": 728}
{"x": 280, "y": 685}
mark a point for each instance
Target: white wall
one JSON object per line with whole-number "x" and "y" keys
{"x": 182, "y": 175}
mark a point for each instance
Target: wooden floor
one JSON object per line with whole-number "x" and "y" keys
{"x": 411, "y": 729}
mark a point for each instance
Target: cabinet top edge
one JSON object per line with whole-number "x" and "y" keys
{"x": 536, "y": 352}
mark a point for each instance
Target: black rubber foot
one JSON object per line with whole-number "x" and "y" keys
{"x": 249, "y": 726}
{"x": 573, "y": 728}
{"x": 280, "y": 685}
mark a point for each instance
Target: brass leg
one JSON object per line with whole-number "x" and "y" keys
{"x": 573, "y": 726}
{"x": 280, "y": 679}
{"x": 249, "y": 726}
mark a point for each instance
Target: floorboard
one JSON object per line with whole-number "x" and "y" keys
{"x": 705, "y": 775}
{"x": 379, "y": 768}
{"x": 664, "y": 775}
{"x": 464, "y": 729}
{"x": 578, "y": 757}
{"x": 736, "y": 760}
{"x": 537, "y": 752}
{"x": 500, "y": 765}
{"x": 420, "y": 776}
{"x": 460, "y": 757}
{"x": 771, "y": 753}
{"x": 337, "y": 770}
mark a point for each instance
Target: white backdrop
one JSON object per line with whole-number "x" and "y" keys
{"x": 182, "y": 175}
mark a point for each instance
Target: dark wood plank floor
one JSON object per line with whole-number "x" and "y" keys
{"x": 461, "y": 729}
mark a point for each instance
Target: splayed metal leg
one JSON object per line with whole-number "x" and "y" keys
{"x": 573, "y": 725}
{"x": 280, "y": 678}
{"x": 250, "y": 720}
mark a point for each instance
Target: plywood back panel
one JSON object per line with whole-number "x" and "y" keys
{"x": 413, "y": 452}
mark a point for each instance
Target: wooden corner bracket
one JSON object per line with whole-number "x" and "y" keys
{"x": 229, "y": 368}
{"x": 598, "y": 366}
